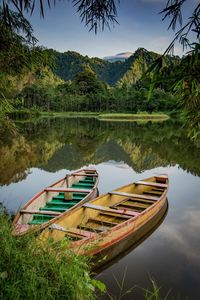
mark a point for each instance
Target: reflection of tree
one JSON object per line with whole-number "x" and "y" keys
{"x": 54, "y": 144}
{"x": 21, "y": 154}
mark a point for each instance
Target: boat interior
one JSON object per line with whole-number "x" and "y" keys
{"x": 59, "y": 197}
{"x": 110, "y": 210}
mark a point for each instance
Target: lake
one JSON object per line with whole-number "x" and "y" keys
{"x": 123, "y": 152}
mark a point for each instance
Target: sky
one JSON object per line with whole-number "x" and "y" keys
{"x": 140, "y": 25}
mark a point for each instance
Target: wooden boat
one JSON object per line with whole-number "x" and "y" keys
{"x": 55, "y": 200}
{"x": 101, "y": 223}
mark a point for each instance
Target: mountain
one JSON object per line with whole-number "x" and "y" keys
{"x": 70, "y": 63}
{"x": 118, "y": 57}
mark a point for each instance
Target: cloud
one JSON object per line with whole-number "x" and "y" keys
{"x": 184, "y": 238}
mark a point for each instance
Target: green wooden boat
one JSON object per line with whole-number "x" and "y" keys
{"x": 57, "y": 199}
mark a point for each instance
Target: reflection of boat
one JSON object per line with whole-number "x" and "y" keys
{"x": 120, "y": 250}
{"x": 119, "y": 216}
{"x": 54, "y": 201}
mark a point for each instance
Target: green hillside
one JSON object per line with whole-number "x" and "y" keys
{"x": 69, "y": 64}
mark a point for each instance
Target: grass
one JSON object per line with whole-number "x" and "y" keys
{"x": 111, "y": 116}
{"x": 134, "y": 117}
{"x": 29, "y": 271}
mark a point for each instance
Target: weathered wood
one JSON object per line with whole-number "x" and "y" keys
{"x": 114, "y": 215}
{"x": 162, "y": 178}
{"x": 103, "y": 222}
{"x": 85, "y": 174}
{"x": 91, "y": 229}
{"x": 139, "y": 201}
{"x": 65, "y": 190}
{"x": 152, "y": 193}
{"x": 155, "y": 184}
{"x": 90, "y": 170}
{"x": 107, "y": 209}
{"x": 132, "y": 204}
{"x": 39, "y": 212}
{"x": 75, "y": 231}
{"x": 139, "y": 196}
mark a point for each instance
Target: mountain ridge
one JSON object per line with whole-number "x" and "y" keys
{"x": 70, "y": 63}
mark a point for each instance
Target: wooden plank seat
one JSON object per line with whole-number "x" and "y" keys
{"x": 74, "y": 231}
{"x": 139, "y": 196}
{"x": 83, "y": 185}
{"x": 131, "y": 205}
{"x": 134, "y": 200}
{"x": 84, "y": 174}
{"x": 65, "y": 190}
{"x": 152, "y": 193}
{"x": 108, "y": 209}
{"x": 39, "y": 212}
{"x": 114, "y": 216}
{"x": 143, "y": 201}
{"x": 157, "y": 189}
{"x": 154, "y": 184}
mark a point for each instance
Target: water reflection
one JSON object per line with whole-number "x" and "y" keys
{"x": 55, "y": 144}
{"x": 122, "y": 153}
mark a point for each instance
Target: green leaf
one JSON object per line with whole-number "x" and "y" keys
{"x": 4, "y": 275}
{"x": 100, "y": 285}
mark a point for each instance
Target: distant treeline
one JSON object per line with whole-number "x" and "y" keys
{"x": 88, "y": 93}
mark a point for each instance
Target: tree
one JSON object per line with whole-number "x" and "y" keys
{"x": 87, "y": 82}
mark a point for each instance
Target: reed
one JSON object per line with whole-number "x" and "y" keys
{"x": 153, "y": 292}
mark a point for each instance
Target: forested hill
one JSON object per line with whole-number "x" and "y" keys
{"x": 69, "y": 64}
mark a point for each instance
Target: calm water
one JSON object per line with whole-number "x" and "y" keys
{"x": 47, "y": 149}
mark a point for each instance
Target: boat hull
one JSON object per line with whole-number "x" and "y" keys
{"x": 116, "y": 251}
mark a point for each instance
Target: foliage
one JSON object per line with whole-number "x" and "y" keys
{"x": 29, "y": 271}
{"x": 174, "y": 11}
{"x": 14, "y": 56}
{"x": 94, "y": 13}
{"x": 87, "y": 93}
{"x": 17, "y": 24}
{"x": 87, "y": 82}
{"x": 187, "y": 80}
